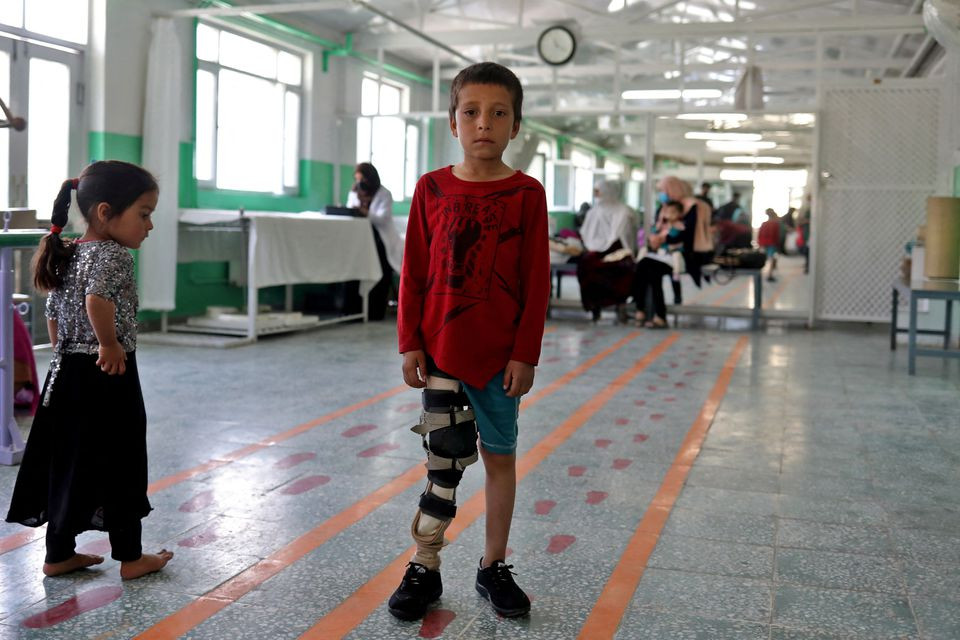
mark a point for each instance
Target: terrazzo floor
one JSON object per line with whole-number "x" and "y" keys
{"x": 823, "y": 503}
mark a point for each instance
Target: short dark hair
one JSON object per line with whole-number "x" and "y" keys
{"x": 487, "y": 73}
{"x": 676, "y": 204}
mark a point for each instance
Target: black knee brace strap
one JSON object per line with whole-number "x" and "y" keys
{"x": 449, "y": 433}
{"x": 433, "y": 505}
{"x": 443, "y": 400}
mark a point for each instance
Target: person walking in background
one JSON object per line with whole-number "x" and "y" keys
{"x": 769, "y": 240}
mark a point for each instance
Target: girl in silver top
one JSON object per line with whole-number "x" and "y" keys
{"x": 85, "y": 464}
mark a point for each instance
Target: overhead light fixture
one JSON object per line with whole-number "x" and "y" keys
{"x": 753, "y": 160}
{"x": 737, "y": 175}
{"x": 700, "y": 12}
{"x": 616, "y": 5}
{"x": 801, "y": 119}
{"x": 727, "y": 117}
{"x": 670, "y": 94}
{"x": 739, "y": 146}
{"x": 744, "y": 4}
{"x": 721, "y": 135}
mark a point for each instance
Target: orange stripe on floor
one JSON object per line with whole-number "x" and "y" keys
{"x": 780, "y": 289}
{"x": 605, "y": 617}
{"x": 362, "y": 602}
{"x": 739, "y": 289}
{"x": 15, "y": 541}
{"x": 235, "y": 588}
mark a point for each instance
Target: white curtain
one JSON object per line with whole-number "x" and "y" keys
{"x": 161, "y": 141}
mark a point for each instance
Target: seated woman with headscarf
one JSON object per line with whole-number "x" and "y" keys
{"x": 605, "y": 271}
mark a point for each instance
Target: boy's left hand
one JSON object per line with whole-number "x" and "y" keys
{"x": 517, "y": 378}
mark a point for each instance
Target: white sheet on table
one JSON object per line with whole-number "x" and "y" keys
{"x": 290, "y": 248}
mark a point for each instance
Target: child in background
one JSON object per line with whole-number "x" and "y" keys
{"x": 672, "y": 227}
{"x": 473, "y": 299}
{"x": 769, "y": 239}
{"x": 669, "y": 237}
{"x": 85, "y": 464}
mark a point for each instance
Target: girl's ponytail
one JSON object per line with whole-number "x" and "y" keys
{"x": 53, "y": 253}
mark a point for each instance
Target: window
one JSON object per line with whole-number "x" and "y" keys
{"x": 542, "y": 168}
{"x": 583, "y": 164}
{"x": 386, "y": 139}
{"x": 61, "y": 19}
{"x": 40, "y": 84}
{"x": 249, "y": 102}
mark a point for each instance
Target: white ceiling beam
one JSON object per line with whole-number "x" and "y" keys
{"x": 843, "y": 25}
{"x": 581, "y": 112}
{"x": 793, "y": 7}
{"x": 258, "y": 9}
{"x": 463, "y": 18}
{"x": 532, "y": 74}
{"x": 649, "y": 12}
{"x": 577, "y": 5}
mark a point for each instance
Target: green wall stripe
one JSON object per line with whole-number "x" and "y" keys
{"x": 105, "y": 145}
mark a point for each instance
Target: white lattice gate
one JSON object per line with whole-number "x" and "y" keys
{"x": 878, "y": 156}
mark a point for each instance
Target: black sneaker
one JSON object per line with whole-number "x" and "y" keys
{"x": 420, "y": 586}
{"x": 495, "y": 583}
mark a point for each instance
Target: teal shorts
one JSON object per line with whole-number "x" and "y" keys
{"x": 496, "y": 413}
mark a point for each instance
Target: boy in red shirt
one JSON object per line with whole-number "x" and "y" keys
{"x": 473, "y": 299}
{"x": 769, "y": 239}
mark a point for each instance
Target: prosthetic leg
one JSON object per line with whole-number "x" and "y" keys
{"x": 449, "y": 433}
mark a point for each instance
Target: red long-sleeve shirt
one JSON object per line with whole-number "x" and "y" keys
{"x": 476, "y": 274}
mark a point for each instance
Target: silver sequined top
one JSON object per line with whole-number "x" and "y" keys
{"x": 102, "y": 268}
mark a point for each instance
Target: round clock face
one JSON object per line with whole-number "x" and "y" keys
{"x": 556, "y": 45}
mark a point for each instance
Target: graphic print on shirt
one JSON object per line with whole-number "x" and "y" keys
{"x": 464, "y": 246}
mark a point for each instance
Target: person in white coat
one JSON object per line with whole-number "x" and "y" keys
{"x": 374, "y": 201}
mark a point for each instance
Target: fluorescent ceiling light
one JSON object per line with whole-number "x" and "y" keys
{"x": 802, "y": 119}
{"x": 733, "y": 43}
{"x": 615, "y": 5}
{"x": 753, "y": 160}
{"x": 728, "y": 117}
{"x": 720, "y": 135}
{"x": 741, "y": 146}
{"x": 701, "y": 12}
{"x": 737, "y": 175}
{"x": 744, "y": 4}
{"x": 670, "y": 94}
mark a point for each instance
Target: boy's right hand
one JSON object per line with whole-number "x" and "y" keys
{"x": 415, "y": 368}
{"x": 111, "y": 360}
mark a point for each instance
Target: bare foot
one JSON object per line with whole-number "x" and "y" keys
{"x": 146, "y": 563}
{"x": 78, "y": 561}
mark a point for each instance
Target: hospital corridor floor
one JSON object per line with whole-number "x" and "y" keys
{"x": 690, "y": 484}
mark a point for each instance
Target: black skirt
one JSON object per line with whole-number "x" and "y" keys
{"x": 85, "y": 463}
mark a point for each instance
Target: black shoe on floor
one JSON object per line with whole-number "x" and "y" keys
{"x": 495, "y": 583}
{"x": 420, "y": 586}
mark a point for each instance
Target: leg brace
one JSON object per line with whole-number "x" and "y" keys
{"x": 449, "y": 434}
